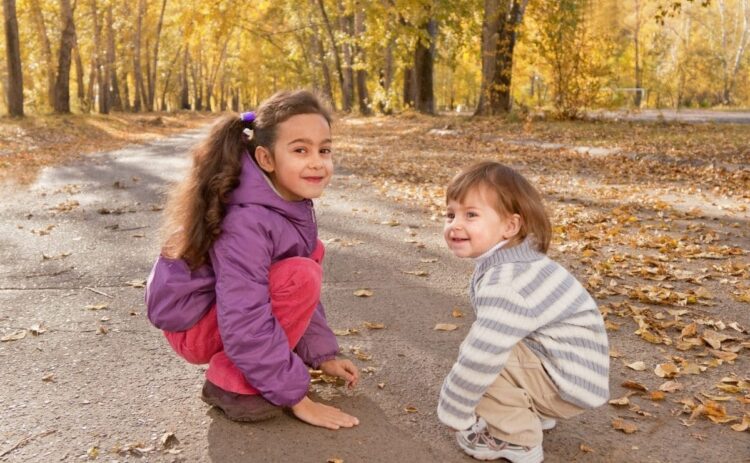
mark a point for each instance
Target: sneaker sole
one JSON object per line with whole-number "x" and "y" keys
{"x": 267, "y": 415}
{"x": 536, "y": 455}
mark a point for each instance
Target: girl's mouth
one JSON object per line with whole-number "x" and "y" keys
{"x": 313, "y": 179}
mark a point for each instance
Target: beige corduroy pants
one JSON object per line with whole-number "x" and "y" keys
{"x": 521, "y": 393}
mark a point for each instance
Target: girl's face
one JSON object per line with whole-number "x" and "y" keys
{"x": 301, "y": 165}
{"x": 473, "y": 226}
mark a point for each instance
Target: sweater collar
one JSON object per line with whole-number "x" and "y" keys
{"x": 524, "y": 252}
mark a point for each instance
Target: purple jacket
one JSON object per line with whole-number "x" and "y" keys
{"x": 259, "y": 229}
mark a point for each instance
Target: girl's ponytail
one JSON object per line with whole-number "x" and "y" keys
{"x": 198, "y": 206}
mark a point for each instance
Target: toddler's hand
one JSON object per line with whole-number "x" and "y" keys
{"x": 325, "y": 416}
{"x": 343, "y": 369}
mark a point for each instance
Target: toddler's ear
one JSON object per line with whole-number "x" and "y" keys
{"x": 264, "y": 159}
{"x": 512, "y": 226}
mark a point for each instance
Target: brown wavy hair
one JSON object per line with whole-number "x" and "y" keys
{"x": 197, "y": 207}
{"x": 513, "y": 195}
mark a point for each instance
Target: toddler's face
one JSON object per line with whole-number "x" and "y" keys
{"x": 302, "y": 161}
{"x": 473, "y": 226}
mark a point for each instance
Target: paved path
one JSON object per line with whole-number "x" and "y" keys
{"x": 104, "y": 382}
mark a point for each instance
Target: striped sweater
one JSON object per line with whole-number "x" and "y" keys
{"x": 521, "y": 294}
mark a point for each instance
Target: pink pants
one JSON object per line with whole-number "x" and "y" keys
{"x": 294, "y": 286}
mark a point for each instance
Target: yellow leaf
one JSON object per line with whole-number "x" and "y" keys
{"x": 97, "y": 306}
{"x": 445, "y": 327}
{"x": 637, "y": 366}
{"x": 410, "y": 409}
{"x": 666, "y": 370}
{"x": 726, "y": 356}
{"x": 364, "y": 292}
{"x": 670, "y": 386}
{"x": 373, "y": 326}
{"x": 419, "y": 273}
{"x": 634, "y": 385}
{"x": 655, "y": 396}
{"x": 585, "y": 448}
{"x": 621, "y": 402}
{"x": 628, "y": 427}
{"x": 690, "y": 330}
{"x": 14, "y": 336}
{"x": 744, "y": 426}
{"x": 457, "y": 313}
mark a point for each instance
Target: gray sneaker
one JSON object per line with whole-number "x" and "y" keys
{"x": 478, "y": 443}
{"x": 547, "y": 423}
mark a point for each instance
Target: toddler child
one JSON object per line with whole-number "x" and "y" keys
{"x": 538, "y": 348}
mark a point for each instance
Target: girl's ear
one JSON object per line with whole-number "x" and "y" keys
{"x": 264, "y": 159}
{"x": 512, "y": 226}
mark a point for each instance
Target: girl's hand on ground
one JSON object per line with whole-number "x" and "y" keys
{"x": 325, "y": 416}
{"x": 343, "y": 369}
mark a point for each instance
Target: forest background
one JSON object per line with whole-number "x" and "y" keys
{"x": 561, "y": 56}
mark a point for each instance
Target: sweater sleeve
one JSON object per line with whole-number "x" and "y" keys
{"x": 502, "y": 321}
{"x": 176, "y": 298}
{"x": 253, "y": 338}
{"x": 318, "y": 344}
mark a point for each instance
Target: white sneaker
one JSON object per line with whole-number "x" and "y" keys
{"x": 547, "y": 423}
{"x": 478, "y": 443}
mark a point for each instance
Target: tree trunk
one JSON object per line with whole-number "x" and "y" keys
{"x": 410, "y": 87}
{"x": 336, "y": 54}
{"x": 102, "y": 71}
{"x": 137, "y": 71}
{"x": 115, "y": 102}
{"x": 319, "y": 50}
{"x": 501, "y": 19}
{"x": 363, "y": 96}
{"x": 41, "y": 32}
{"x": 636, "y": 43}
{"x": 346, "y": 26}
{"x": 67, "y": 41}
{"x": 80, "y": 84}
{"x": 13, "y": 57}
{"x": 424, "y": 59}
{"x": 184, "y": 85}
{"x": 155, "y": 59}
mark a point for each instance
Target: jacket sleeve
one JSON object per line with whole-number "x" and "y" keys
{"x": 253, "y": 338}
{"x": 177, "y": 298}
{"x": 502, "y": 321}
{"x": 318, "y": 344}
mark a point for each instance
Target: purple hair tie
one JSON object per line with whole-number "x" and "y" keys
{"x": 248, "y": 116}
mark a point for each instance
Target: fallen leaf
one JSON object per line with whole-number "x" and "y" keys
{"x": 97, "y": 306}
{"x": 585, "y": 448}
{"x": 373, "y": 326}
{"x": 670, "y": 386}
{"x": 621, "y": 402}
{"x": 690, "y": 330}
{"x": 634, "y": 385}
{"x": 744, "y": 426}
{"x": 102, "y": 330}
{"x": 456, "y": 313}
{"x": 14, "y": 336}
{"x": 360, "y": 354}
{"x": 628, "y": 427}
{"x": 726, "y": 356}
{"x": 364, "y": 292}
{"x": 381, "y": 385}
{"x": 666, "y": 370}
{"x": 445, "y": 327}
{"x": 655, "y": 396}
{"x": 419, "y": 273}
{"x": 36, "y": 329}
{"x": 637, "y": 366}
{"x": 391, "y": 223}
{"x": 334, "y": 460}
{"x": 168, "y": 440}
{"x": 49, "y": 378}
{"x": 428, "y": 261}
{"x": 137, "y": 283}
{"x": 410, "y": 409}
{"x": 346, "y": 332}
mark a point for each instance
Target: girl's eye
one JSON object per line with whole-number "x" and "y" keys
{"x": 471, "y": 215}
{"x": 450, "y": 216}
{"x": 326, "y": 151}
{"x": 300, "y": 150}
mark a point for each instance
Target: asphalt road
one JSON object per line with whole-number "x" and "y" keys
{"x": 97, "y": 381}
